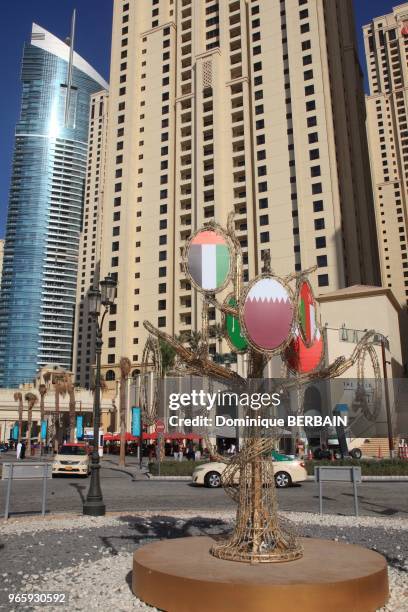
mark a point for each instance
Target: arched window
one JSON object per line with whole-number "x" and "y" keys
{"x": 135, "y": 373}
{"x": 110, "y": 375}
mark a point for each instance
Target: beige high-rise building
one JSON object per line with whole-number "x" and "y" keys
{"x": 386, "y": 47}
{"x": 90, "y": 240}
{"x": 231, "y": 105}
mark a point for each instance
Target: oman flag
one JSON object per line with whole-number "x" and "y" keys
{"x": 307, "y": 313}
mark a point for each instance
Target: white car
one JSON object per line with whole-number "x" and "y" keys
{"x": 287, "y": 472}
{"x": 71, "y": 459}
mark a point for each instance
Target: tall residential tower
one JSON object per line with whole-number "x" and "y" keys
{"x": 45, "y": 209}
{"x": 90, "y": 240}
{"x": 386, "y": 47}
{"x": 230, "y": 105}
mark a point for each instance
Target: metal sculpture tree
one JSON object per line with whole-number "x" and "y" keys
{"x": 290, "y": 328}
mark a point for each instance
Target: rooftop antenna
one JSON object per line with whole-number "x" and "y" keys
{"x": 70, "y": 67}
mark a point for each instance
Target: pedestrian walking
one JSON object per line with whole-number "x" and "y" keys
{"x": 23, "y": 450}
{"x": 18, "y": 450}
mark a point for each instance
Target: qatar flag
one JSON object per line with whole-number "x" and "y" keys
{"x": 268, "y": 314}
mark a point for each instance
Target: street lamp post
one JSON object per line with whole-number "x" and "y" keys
{"x": 94, "y": 505}
{"x": 387, "y": 398}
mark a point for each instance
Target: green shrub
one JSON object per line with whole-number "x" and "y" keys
{"x": 369, "y": 467}
{"x": 174, "y": 468}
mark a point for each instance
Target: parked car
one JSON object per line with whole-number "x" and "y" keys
{"x": 287, "y": 471}
{"x": 72, "y": 459}
{"x": 333, "y": 449}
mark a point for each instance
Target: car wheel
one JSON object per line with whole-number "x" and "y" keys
{"x": 212, "y": 480}
{"x": 356, "y": 453}
{"x": 283, "y": 480}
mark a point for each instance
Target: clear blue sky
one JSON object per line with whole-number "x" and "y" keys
{"x": 94, "y": 19}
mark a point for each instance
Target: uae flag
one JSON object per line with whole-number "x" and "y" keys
{"x": 307, "y": 313}
{"x": 209, "y": 260}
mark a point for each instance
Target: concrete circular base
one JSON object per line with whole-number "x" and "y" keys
{"x": 181, "y": 575}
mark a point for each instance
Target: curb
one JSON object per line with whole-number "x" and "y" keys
{"x": 376, "y": 478}
{"x": 309, "y": 478}
{"x": 185, "y": 478}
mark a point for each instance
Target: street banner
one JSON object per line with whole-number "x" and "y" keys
{"x": 136, "y": 421}
{"x": 80, "y": 427}
{"x": 43, "y": 430}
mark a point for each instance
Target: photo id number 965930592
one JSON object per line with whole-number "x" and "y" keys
{"x": 37, "y": 598}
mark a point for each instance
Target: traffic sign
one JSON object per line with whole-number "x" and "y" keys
{"x": 160, "y": 427}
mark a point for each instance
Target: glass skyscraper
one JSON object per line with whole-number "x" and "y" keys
{"x": 45, "y": 209}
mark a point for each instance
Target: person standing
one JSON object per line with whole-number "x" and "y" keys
{"x": 23, "y": 450}
{"x": 18, "y": 450}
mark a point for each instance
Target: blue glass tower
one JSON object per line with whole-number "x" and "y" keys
{"x": 45, "y": 209}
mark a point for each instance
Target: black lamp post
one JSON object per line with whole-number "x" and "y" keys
{"x": 94, "y": 505}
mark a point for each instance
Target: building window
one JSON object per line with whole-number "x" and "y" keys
{"x": 320, "y": 242}
{"x": 323, "y": 280}
{"x": 321, "y": 261}
{"x": 317, "y": 188}
{"x": 319, "y": 224}
{"x": 264, "y": 237}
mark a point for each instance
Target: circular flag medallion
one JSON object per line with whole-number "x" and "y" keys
{"x": 208, "y": 260}
{"x": 267, "y": 314}
{"x": 235, "y": 336}
{"x": 303, "y": 359}
{"x": 307, "y": 313}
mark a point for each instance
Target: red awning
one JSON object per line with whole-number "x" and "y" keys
{"x": 108, "y": 437}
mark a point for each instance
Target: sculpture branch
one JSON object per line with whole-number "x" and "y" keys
{"x": 202, "y": 366}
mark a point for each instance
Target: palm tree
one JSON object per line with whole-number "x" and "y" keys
{"x": 18, "y": 397}
{"x": 31, "y": 399}
{"x": 42, "y": 390}
{"x": 217, "y": 332}
{"x": 125, "y": 367}
{"x": 194, "y": 340}
{"x": 168, "y": 356}
{"x": 69, "y": 386}
{"x": 60, "y": 389}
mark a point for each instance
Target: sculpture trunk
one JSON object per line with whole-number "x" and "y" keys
{"x": 257, "y": 537}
